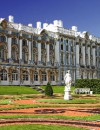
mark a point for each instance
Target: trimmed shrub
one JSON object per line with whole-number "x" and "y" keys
{"x": 93, "y": 84}
{"x": 48, "y": 90}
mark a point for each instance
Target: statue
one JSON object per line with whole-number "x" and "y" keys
{"x": 67, "y": 79}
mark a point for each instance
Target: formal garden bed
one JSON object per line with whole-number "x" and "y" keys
{"x": 25, "y": 105}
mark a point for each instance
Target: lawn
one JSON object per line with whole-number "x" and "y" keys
{"x": 39, "y": 127}
{"x": 84, "y": 118}
{"x": 59, "y": 89}
{"x": 5, "y": 101}
{"x": 74, "y": 101}
{"x": 16, "y": 90}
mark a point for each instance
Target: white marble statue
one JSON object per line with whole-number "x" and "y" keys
{"x": 67, "y": 79}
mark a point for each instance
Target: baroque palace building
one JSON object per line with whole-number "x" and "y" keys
{"x": 35, "y": 56}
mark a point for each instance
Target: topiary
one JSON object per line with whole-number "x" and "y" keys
{"x": 48, "y": 90}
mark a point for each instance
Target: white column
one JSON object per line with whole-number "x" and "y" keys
{"x": 48, "y": 56}
{"x": 20, "y": 42}
{"x": 77, "y": 54}
{"x": 69, "y": 50}
{"x": 88, "y": 55}
{"x": 29, "y": 50}
{"x": 57, "y": 52}
{"x": 9, "y": 46}
{"x": 83, "y": 53}
{"x": 94, "y": 57}
{"x": 39, "y": 52}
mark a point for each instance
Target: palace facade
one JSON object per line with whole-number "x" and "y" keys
{"x": 37, "y": 55}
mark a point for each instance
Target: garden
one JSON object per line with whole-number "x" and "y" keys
{"x": 23, "y": 108}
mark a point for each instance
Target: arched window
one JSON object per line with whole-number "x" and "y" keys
{"x": 14, "y": 41}
{"x": 42, "y": 46}
{"x": 2, "y": 39}
{"x": 52, "y": 76}
{"x": 15, "y": 75}
{"x": 24, "y": 42}
{"x": 24, "y": 55}
{"x": 14, "y": 53}
{"x": 2, "y": 52}
{"x": 25, "y": 75}
{"x": 51, "y": 46}
{"x": 61, "y": 39}
{"x": 36, "y": 76}
{"x": 44, "y": 76}
{"x": 34, "y": 44}
{"x": 3, "y": 75}
{"x": 61, "y": 46}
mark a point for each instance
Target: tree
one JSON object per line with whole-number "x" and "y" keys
{"x": 48, "y": 90}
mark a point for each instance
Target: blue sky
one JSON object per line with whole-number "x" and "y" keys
{"x": 82, "y": 13}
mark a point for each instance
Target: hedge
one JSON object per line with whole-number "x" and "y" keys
{"x": 93, "y": 84}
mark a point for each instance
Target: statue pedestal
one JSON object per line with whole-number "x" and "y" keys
{"x": 67, "y": 95}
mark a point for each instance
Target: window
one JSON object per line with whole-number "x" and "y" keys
{"x": 25, "y": 75}
{"x": 67, "y": 41}
{"x": 34, "y": 44}
{"x": 2, "y": 52}
{"x": 66, "y": 47}
{"x": 24, "y": 55}
{"x": 2, "y": 39}
{"x": 72, "y": 49}
{"x": 3, "y": 75}
{"x": 14, "y": 41}
{"x": 61, "y": 46}
{"x": 44, "y": 76}
{"x": 35, "y": 58}
{"x": 51, "y": 47}
{"x": 62, "y": 58}
{"x": 61, "y": 39}
{"x": 72, "y": 59}
{"x": 36, "y": 76}
{"x": 24, "y": 42}
{"x": 14, "y": 75}
{"x": 13, "y": 53}
{"x": 67, "y": 59}
{"x": 42, "y": 46}
{"x": 52, "y": 76}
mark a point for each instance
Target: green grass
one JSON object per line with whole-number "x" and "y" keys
{"x": 39, "y": 127}
{"x": 59, "y": 89}
{"x": 4, "y": 102}
{"x": 74, "y": 101}
{"x": 16, "y": 90}
{"x": 84, "y": 118}
{"x": 56, "y": 89}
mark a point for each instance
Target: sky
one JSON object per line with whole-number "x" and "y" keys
{"x": 85, "y": 14}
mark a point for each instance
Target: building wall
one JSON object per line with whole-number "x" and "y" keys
{"x": 38, "y": 58}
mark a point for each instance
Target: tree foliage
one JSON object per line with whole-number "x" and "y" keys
{"x": 93, "y": 84}
{"x": 48, "y": 90}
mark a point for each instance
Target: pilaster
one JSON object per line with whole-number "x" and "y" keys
{"x": 20, "y": 44}
{"x": 83, "y": 53}
{"x": 77, "y": 54}
{"x": 94, "y": 57}
{"x": 48, "y": 54}
{"x": 88, "y": 55}
{"x": 9, "y": 46}
{"x": 57, "y": 52}
{"x": 29, "y": 50}
{"x": 39, "y": 53}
